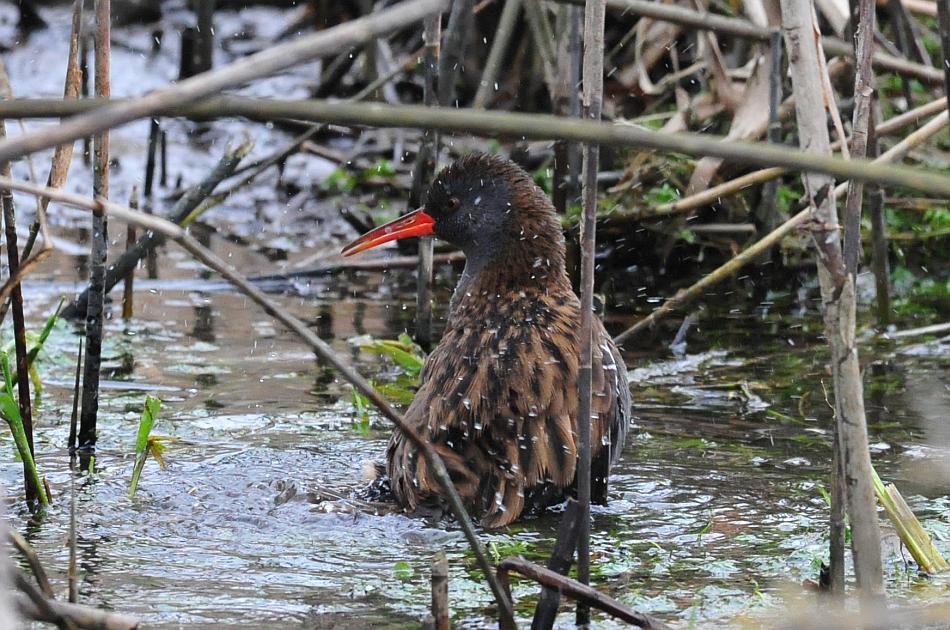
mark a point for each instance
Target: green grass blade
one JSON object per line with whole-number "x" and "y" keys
{"x": 34, "y": 351}
{"x": 149, "y": 414}
{"x": 408, "y": 361}
{"x": 10, "y": 410}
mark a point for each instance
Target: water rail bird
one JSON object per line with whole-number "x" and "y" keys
{"x": 498, "y": 398}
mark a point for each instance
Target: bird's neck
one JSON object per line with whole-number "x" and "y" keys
{"x": 521, "y": 266}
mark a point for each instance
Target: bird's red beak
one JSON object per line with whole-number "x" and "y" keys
{"x": 416, "y": 223}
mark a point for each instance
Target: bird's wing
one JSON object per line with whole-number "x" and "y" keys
{"x": 412, "y": 483}
{"x": 610, "y": 402}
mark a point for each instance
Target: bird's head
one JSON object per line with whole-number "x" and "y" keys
{"x": 485, "y": 205}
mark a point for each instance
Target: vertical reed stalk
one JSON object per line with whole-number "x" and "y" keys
{"x": 74, "y": 417}
{"x": 506, "y": 26}
{"x": 204, "y": 54}
{"x": 767, "y": 213}
{"x": 100, "y": 241}
{"x": 836, "y": 523}
{"x": 128, "y": 289}
{"x": 863, "y": 91}
{"x": 560, "y": 560}
{"x": 154, "y": 132}
{"x": 84, "y": 92}
{"x": 943, "y": 15}
{"x": 879, "y": 248}
{"x": 422, "y": 173}
{"x": 19, "y": 332}
{"x": 863, "y": 97}
{"x": 71, "y": 573}
{"x": 440, "y": 591}
{"x": 452, "y": 55}
{"x": 163, "y": 171}
{"x": 566, "y": 103}
{"x": 838, "y": 301}
{"x": 594, "y": 13}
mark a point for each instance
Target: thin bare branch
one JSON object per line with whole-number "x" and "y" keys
{"x": 26, "y": 550}
{"x": 534, "y": 126}
{"x": 86, "y": 617}
{"x": 577, "y": 590}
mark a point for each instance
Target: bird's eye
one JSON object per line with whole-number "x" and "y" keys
{"x": 454, "y": 203}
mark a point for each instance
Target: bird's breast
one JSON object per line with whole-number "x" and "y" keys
{"x": 502, "y": 362}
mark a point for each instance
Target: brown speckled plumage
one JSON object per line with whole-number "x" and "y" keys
{"x": 498, "y": 398}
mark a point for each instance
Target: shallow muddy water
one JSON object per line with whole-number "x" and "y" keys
{"x": 716, "y": 514}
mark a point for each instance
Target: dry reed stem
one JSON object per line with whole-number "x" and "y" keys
{"x": 85, "y": 617}
{"x": 499, "y": 44}
{"x": 863, "y": 91}
{"x": 72, "y": 574}
{"x": 593, "y": 94}
{"x": 838, "y": 303}
{"x": 943, "y": 10}
{"x": 527, "y": 126}
{"x": 95, "y": 305}
{"x": 128, "y": 285}
{"x": 426, "y": 162}
{"x": 440, "y": 591}
{"x": 30, "y": 476}
{"x": 26, "y": 550}
{"x": 41, "y": 604}
{"x": 578, "y": 591}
